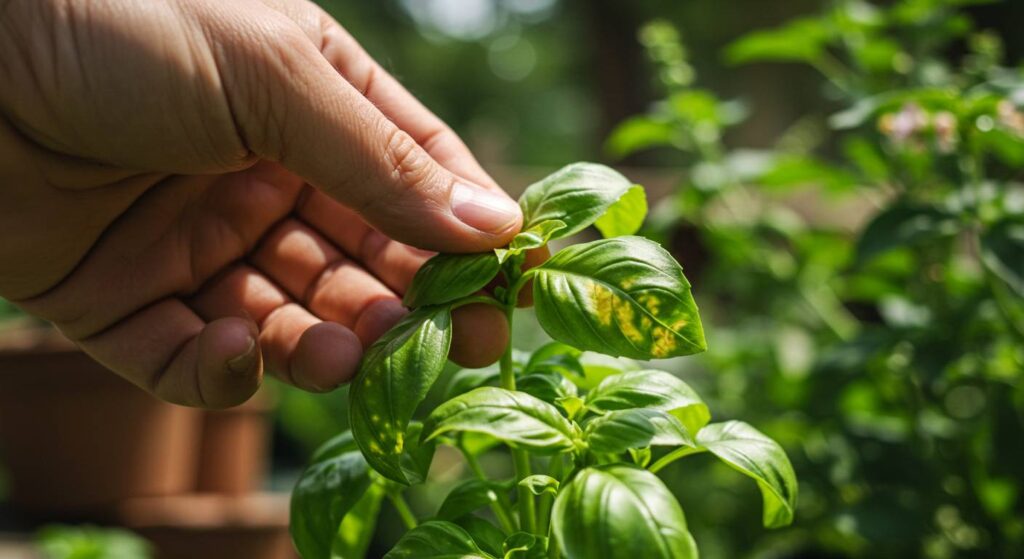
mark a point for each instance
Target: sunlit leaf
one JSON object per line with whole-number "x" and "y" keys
{"x": 396, "y": 373}
{"x": 625, "y": 216}
{"x": 515, "y": 418}
{"x": 624, "y": 296}
{"x": 447, "y": 277}
{"x": 651, "y": 389}
{"x": 437, "y": 539}
{"x": 618, "y": 431}
{"x": 751, "y": 452}
{"x": 576, "y": 195}
{"x": 620, "y": 512}
{"x": 331, "y": 486}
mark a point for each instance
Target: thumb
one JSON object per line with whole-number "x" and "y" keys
{"x": 300, "y": 111}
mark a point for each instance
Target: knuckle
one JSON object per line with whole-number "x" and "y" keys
{"x": 408, "y": 165}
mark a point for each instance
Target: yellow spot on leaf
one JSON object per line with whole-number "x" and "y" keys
{"x": 625, "y": 315}
{"x": 601, "y": 298}
{"x": 664, "y": 341}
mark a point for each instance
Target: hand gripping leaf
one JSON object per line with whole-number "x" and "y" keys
{"x": 397, "y": 372}
{"x": 624, "y": 296}
{"x": 447, "y": 277}
{"x": 577, "y": 195}
{"x": 620, "y": 512}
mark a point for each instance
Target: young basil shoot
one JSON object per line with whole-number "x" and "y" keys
{"x": 586, "y": 440}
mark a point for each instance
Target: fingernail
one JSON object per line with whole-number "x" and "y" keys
{"x": 242, "y": 363}
{"x": 483, "y": 210}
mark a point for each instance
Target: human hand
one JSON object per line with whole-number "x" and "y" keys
{"x": 193, "y": 188}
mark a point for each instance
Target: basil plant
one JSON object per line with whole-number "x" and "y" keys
{"x": 586, "y": 441}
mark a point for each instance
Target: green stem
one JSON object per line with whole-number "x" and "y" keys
{"x": 521, "y": 459}
{"x": 672, "y": 457}
{"x": 552, "y": 544}
{"x": 502, "y": 509}
{"x": 547, "y": 500}
{"x": 408, "y": 518}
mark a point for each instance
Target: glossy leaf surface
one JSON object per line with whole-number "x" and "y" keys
{"x": 332, "y": 484}
{"x": 577, "y": 195}
{"x": 447, "y": 277}
{"x": 618, "y": 431}
{"x": 358, "y": 526}
{"x": 620, "y": 512}
{"x": 437, "y": 539}
{"x": 396, "y": 374}
{"x": 652, "y": 389}
{"x": 469, "y": 496}
{"x": 751, "y": 452}
{"x": 623, "y": 297}
{"x": 515, "y": 418}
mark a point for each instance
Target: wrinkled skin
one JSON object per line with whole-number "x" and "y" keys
{"x": 193, "y": 190}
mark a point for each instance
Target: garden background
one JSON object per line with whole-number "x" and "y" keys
{"x": 841, "y": 181}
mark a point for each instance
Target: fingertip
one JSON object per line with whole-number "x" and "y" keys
{"x": 230, "y": 362}
{"x": 326, "y": 357}
{"x": 377, "y": 318}
{"x": 479, "y": 335}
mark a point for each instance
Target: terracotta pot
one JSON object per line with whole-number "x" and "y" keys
{"x": 235, "y": 447}
{"x": 75, "y": 438}
{"x": 213, "y": 526}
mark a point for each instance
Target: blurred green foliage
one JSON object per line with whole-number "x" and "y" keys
{"x": 90, "y": 542}
{"x": 890, "y": 359}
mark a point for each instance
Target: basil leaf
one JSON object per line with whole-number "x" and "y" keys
{"x": 625, "y": 216}
{"x": 540, "y": 484}
{"x": 641, "y": 456}
{"x": 576, "y": 195}
{"x": 623, "y": 297}
{"x": 553, "y": 354}
{"x": 620, "y": 512}
{"x": 618, "y": 431}
{"x": 396, "y": 374}
{"x": 436, "y": 539}
{"x": 470, "y": 496}
{"x": 515, "y": 418}
{"x": 332, "y": 484}
{"x": 549, "y": 386}
{"x": 447, "y": 277}
{"x": 651, "y": 389}
{"x": 529, "y": 239}
{"x": 572, "y": 405}
{"x": 597, "y": 367}
{"x": 1002, "y": 250}
{"x": 751, "y": 452}
{"x": 486, "y": 535}
{"x": 465, "y": 380}
{"x": 903, "y": 225}
{"x": 358, "y": 526}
